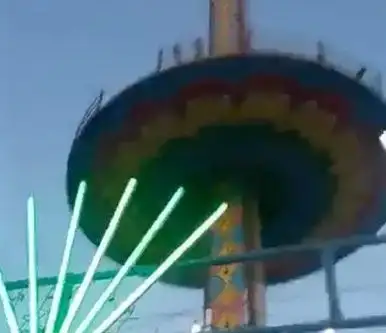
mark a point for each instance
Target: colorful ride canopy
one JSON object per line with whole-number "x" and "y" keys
{"x": 300, "y": 138}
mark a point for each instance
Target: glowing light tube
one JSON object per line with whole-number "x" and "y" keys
{"x": 32, "y": 267}
{"x": 8, "y": 310}
{"x": 57, "y": 296}
{"x": 106, "y": 239}
{"x": 176, "y": 254}
{"x": 131, "y": 261}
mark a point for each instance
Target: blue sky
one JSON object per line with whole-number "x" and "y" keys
{"x": 56, "y": 56}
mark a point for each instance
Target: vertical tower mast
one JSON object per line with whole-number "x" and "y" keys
{"x": 235, "y": 294}
{"x": 227, "y": 27}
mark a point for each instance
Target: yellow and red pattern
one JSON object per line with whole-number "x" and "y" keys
{"x": 226, "y": 288}
{"x": 321, "y": 122}
{"x": 317, "y": 126}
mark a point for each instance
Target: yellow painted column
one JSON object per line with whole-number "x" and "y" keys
{"x": 225, "y": 293}
{"x": 235, "y": 293}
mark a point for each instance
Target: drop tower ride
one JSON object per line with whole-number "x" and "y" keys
{"x": 291, "y": 143}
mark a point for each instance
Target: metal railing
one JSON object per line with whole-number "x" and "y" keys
{"x": 326, "y": 250}
{"x": 321, "y": 52}
{"x": 182, "y": 53}
{"x": 91, "y": 111}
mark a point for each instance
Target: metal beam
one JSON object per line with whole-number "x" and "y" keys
{"x": 270, "y": 253}
{"x": 246, "y": 257}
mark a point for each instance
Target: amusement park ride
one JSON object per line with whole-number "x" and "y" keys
{"x": 278, "y": 149}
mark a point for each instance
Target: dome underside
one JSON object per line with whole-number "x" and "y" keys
{"x": 300, "y": 150}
